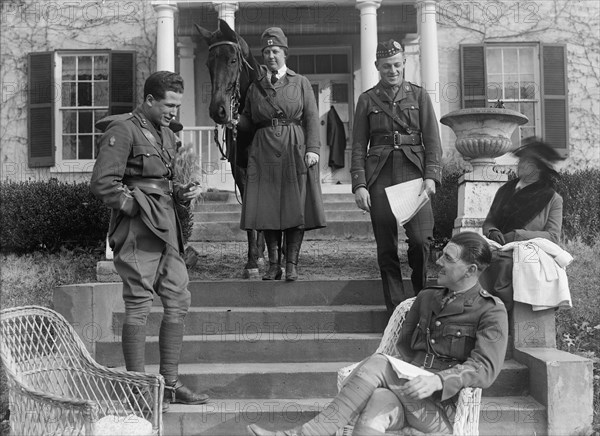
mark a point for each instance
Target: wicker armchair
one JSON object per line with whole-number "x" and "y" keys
{"x": 466, "y": 421}
{"x": 56, "y": 388}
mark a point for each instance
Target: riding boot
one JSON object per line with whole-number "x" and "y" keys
{"x": 170, "y": 341}
{"x": 273, "y": 242}
{"x": 293, "y": 242}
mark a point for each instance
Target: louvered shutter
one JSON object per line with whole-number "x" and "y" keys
{"x": 554, "y": 87}
{"x": 472, "y": 75}
{"x": 41, "y": 94}
{"x": 122, "y": 82}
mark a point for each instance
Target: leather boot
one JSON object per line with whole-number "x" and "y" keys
{"x": 293, "y": 242}
{"x": 177, "y": 393}
{"x": 273, "y": 242}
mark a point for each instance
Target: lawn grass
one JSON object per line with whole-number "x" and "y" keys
{"x": 30, "y": 279}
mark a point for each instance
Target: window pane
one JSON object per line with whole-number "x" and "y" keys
{"x": 85, "y": 122}
{"x": 84, "y": 94}
{"x": 526, "y": 60}
{"x": 511, "y": 87}
{"x": 85, "y": 147}
{"x": 98, "y": 115}
{"x": 339, "y": 93}
{"x": 528, "y": 90}
{"x": 101, "y": 67}
{"x": 494, "y": 88}
{"x": 69, "y": 94}
{"x": 69, "y": 122}
{"x": 69, "y": 150}
{"x": 323, "y": 64}
{"x": 84, "y": 70}
{"x": 510, "y": 61}
{"x": 100, "y": 93}
{"x": 494, "y": 61}
{"x": 339, "y": 64}
{"x": 306, "y": 64}
{"x": 68, "y": 68}
{"x": 292, "y": 62}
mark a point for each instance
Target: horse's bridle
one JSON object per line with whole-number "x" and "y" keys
{"x": 234, "y": 102}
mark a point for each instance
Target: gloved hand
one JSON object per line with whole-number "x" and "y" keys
{"x": 496, "y": 235}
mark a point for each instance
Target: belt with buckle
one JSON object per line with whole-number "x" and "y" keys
{"x": 165, "y": 185}
{"x": 431, "y": 361}
{"x": 395, "y": 138}
{"x": 274, "y": 122}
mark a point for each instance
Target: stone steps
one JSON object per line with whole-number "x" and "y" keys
{"x": 515, "y": 415}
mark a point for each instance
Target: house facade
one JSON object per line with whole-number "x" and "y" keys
{"x": 66, "y": 64}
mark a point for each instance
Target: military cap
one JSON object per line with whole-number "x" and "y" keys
{"x": 388, "y": 48}
{"x": 273, "y": 36}
{"x": 540, "y": 151}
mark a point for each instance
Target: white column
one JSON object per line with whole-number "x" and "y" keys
{"x": 165, "y": 36}
{"x": 226, "y": 11}
{"x": 412, "y": 67}
{"x": 368, "y": 42}
{"x": 430, "y": 71}
{"x": 187, "y": 114}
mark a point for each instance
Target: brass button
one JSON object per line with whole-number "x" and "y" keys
{"x": 148, "y": 154}
{"x": 458, "y": 333}
{"x": 438, "y": 323}
{"x": 433, "y": 341}
{"x": 397, "y": 147}
{"x": 412, "y": 107}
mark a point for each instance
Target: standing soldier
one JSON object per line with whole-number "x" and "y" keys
{"x": 133, "y": 175}
{"x": 395, "y": 139}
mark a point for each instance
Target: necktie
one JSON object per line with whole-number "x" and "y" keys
{"x": 273, "y": 77}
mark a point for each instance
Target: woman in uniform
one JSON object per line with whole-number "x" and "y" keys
{"x": 283, "y": 191}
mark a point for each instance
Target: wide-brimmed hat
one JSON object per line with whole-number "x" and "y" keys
{"x": 388, "y": 49}
{"x": 539, "y": 150}
{"x": 273, "y": 36}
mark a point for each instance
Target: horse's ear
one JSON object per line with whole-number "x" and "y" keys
{"x": 204, "y": 33}
{"x": 227, "y": 31}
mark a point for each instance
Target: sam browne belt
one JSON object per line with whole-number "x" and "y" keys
{"x": 274, "y": 122}
{"x": 160, "y": 183}
{"x": 395, "y": 139}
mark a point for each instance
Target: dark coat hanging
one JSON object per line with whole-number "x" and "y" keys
{"x": 336, "y": 138}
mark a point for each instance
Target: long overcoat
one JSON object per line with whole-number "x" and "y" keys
{"x": 281, "y": 192}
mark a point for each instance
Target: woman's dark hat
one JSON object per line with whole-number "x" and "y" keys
{"x": 537, "y": 149}
{"x": 388, "y": 49}
{"x": 273, "y": 36}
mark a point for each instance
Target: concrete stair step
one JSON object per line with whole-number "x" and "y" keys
{"x": 356, "y": 230}
{"x": 216, "y": 207}
{"x": 353, "y": 214}
{"x": 518, "y": 416}
{"x": 251, "y": 320}
{"x": 277, "y": 293}
{"x": 254, "y": 347}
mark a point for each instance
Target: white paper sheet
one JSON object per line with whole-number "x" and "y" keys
{"x": 405, "y": 200}
{"x": 406, "y": 370}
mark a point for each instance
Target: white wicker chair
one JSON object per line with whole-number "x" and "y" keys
{"x": 56, "y": 388}
{"x": 466, "y": 421}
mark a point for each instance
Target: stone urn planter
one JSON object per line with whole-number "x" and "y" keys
{"x": 483, "y": 134}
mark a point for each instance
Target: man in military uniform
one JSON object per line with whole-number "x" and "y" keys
{"x": 133, "y": 175}
{"x": 457, "y": 331}
{"x": 395, "y": 139}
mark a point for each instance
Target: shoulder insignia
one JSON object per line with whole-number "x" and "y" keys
{"x": 486, "y": 294}
{"x": 407, "y": 87}
{"x": 112, "y": 141}
{"x": 413, "y": 85}
{"x": 103, "y": 124}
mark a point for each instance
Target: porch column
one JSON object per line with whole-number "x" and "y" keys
{"x": 430, "y": 72}
{"x": 187, "y": 114}
{"x": 226, "y": 11}
{"x": 368, "y": 42}
{"x": 165, "y": 36}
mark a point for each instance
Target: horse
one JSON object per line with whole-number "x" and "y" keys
{"x": 232, "y": 69}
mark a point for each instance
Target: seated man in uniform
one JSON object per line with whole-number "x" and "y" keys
{"x": 457, "y": 331}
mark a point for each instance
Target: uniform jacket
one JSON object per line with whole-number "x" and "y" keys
{"x": 413, "y": 106}
{"x": 281, "y": 192}
{"x": 124, "y": 150}
{"x": 547, "y": 224}
{"x": 472, "y": 328}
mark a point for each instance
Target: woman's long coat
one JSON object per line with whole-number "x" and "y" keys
{"x": 281, "y": 192}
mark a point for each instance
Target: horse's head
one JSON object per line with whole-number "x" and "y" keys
{"x": 229, "y": 64}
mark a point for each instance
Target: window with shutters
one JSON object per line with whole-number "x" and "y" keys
{"x": 69, "y": 91}
{"x": 527, "y": 77}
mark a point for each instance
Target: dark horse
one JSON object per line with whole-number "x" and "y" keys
{"x": 232, "y": 69}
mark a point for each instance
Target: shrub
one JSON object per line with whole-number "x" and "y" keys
{"x": 445, "y": 207}
{"x": 581, "y": 204}
{"x": 48, "y": 215}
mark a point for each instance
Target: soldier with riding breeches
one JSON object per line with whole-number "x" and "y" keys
{"x": 133, "y": 175}
{"x": 395, "y": 139}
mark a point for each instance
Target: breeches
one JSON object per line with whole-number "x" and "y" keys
{"x": 419, "y": 231}
{"x": 148, "y": 265}
{"x": 388, "y": 409}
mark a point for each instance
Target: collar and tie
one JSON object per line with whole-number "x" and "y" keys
{"x": 274, "y": 77}
{"x": 449, "y": 297}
